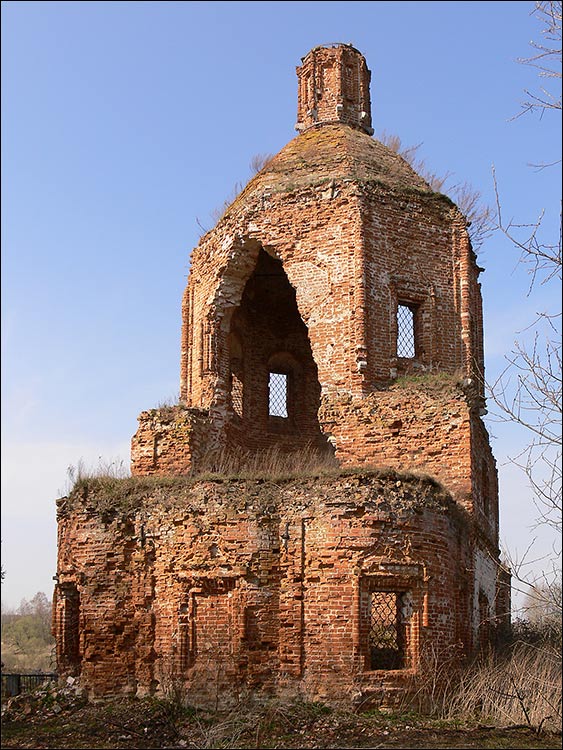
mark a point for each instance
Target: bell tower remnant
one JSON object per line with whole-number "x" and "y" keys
{"x": 334, "y": 311}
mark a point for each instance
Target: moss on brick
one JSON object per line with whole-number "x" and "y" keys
{"x": 111, "y": 498}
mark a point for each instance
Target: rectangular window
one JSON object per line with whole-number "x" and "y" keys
{"x": 387, "y": 630}
{"x": 405, "y": 331}
{"x": 277, "y": 406}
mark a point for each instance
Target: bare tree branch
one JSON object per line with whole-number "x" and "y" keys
{"x": 547, "y": 59}
{"x": 480, "y": 217}
{"x": 528, "y": 391}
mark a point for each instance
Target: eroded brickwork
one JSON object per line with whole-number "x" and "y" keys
{"x": 229, "y": 586}
{"x": 334, "y": 88}
{"x": 335, "y": 310}
{"x": 169, "y": 440}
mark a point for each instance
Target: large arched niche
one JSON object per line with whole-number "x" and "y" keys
{"x": 269, "y": 371}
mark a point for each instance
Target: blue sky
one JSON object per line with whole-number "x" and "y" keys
{"x": 125, "y": 124}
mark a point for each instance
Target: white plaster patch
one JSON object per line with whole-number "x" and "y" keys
{"x": 226, "y": 242}
{"x": 312, "y": 285}
{"x": 484, "y": 581}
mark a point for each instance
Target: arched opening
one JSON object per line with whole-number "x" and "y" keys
{"x": 274, "y": 385}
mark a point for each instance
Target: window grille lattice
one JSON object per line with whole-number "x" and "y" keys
{"x": 405, "y": 332}
{"x": 278, "y": 395}
{"x": 236, "y": 395}
{"x": 386, "y": 630}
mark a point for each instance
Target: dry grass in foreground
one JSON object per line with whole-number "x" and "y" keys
{"x": 520, "y": 687}
{"x": 150, "y": 723}
{"x": 514, "y": 702}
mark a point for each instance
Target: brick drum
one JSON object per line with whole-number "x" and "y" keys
{"x": 334, "y": 315}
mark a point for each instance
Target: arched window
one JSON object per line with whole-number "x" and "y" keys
{"x": 271, "y": 379}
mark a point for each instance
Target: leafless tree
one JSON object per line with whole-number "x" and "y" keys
{"x": 480, "y": 217}
{"x": 546, "y": 59}
{"x": 542, "y": 605}
{"x": 528, "y": 391}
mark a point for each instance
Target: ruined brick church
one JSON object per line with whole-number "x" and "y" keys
{"x": 334, "y": 310}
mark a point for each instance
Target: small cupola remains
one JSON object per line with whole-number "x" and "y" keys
{"x": 334, "y": 87}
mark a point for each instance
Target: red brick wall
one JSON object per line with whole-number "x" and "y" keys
{"x": 417, "y": 252}
{"x": 426, "y": 423}
{"x": 351, "y": 249}
{"x": 169, "y": 441}
{"x": 226, "y": 585}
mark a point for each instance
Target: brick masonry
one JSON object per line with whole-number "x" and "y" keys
{"x": 229, "y": 586}
{"x": 236, "y": 586}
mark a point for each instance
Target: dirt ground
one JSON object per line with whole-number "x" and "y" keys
{"x": 63, "y": 719}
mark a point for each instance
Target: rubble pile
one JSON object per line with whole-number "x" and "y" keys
{"x": 49, "y": 699}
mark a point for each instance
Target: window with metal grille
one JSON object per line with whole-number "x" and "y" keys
{"x": 405, "y": 331}
{"x": 387, "y": 630}
{"x": 277, "y": 395}
{"x": 236, "y": 394}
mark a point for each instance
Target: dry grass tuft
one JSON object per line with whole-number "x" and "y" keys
{"x": 522, "y": 687}
{"x": 270, "y": 464}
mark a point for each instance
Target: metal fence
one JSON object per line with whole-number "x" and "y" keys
{"x": 14, "y": 684}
